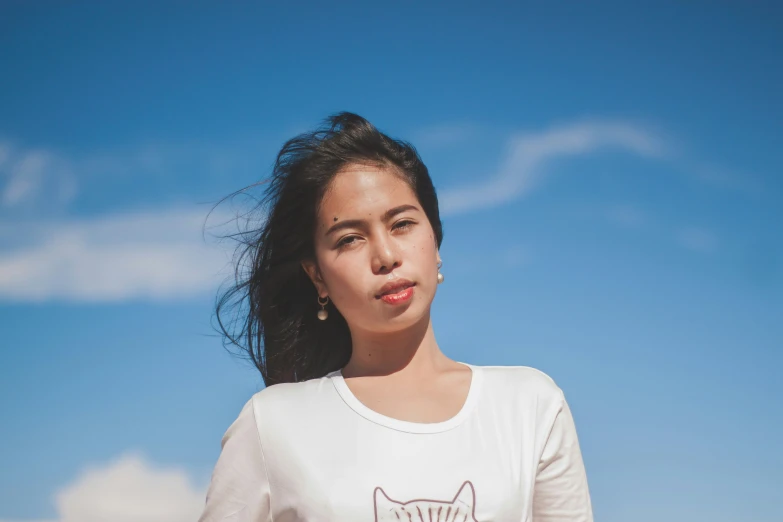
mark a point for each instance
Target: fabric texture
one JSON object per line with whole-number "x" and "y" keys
{"x": 311, "y": 451}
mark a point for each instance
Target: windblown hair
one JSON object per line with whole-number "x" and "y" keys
{"x": 277, "y": 324}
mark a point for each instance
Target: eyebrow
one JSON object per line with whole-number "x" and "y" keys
{"x": 355, "y": 223}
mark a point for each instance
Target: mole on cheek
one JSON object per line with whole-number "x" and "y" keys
{"x": 335, "y": 218}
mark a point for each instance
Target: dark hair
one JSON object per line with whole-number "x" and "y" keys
{"x": 278, "y": 327}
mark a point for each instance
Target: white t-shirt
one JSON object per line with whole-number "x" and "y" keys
{"x": 311, "y": 451}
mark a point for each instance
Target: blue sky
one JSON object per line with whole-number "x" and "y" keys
{"x": 610, "y": 180}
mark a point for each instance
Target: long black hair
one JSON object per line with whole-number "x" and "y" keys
{"x": 276, "y": 302}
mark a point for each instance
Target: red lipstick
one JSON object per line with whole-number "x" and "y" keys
{"x": 403, "y": 295}
{"x": 396, "y": 291}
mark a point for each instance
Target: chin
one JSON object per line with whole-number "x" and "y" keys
{"x": 400, "y": 317}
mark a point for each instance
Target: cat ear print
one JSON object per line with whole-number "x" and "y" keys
{"x": 383, "y": 504}
{"x": 466, "y": 494}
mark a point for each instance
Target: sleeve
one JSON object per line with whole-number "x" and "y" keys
{"x": 239, "y": 488}
{"x": 560, "y": 492}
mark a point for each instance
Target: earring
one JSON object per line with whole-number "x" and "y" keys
{"x": 322, "y": 313}
{"x": 440, "y": 276}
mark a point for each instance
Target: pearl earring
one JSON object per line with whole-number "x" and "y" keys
{"x": 322, "y": 313}
{"x": 440, "y": 276}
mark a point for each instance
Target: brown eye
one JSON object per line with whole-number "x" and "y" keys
{"x": 346, "y": 241}
{"x": 405, "y": 223}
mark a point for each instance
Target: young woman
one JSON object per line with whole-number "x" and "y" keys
{"x": 363, "y": 417}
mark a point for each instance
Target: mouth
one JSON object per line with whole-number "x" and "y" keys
{"x": 398, "y": 290}
{"x": 398, "y": 295}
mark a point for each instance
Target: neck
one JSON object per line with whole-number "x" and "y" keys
{"x": 412, "y": 352}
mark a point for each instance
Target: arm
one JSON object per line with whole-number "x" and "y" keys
{"x": 239, "y": 489}
{"x": 560, "y": 493}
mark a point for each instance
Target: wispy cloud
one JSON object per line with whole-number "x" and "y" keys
{"x": 40, "y": 178}
{"x": 528, "y": 154}
{"x": 161, "y": 254}
{"x": 35, "y": 174}
{"x": 696, "y": 239}
{"x": 725, "y": 178}
{"x": 146, "y": 255}
{"x": 129, "y": 489}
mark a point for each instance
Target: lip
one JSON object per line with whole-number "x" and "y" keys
{"x": 394, "y": 287}
{"x": 404, "y": 294}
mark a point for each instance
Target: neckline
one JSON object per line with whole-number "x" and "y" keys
{"x": 409, "y": 426}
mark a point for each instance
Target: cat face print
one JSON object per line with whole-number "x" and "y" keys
{"x": 460, "y": 509}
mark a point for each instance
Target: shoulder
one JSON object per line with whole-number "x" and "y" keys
{"x": 524, "y": 393}
{"x": 522, "y": 380}
{"x": 289, "y": 398}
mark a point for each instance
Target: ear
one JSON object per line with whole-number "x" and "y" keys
{"x": 311, "y": 269}
{"x": 466, "y": 494}
{"x": 384, "y": 506}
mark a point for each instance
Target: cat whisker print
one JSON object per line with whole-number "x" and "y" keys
{"x": 459, "y": 509}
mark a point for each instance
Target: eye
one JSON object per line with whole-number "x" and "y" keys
{"x": 346, "y": 241}
{"x": 404, "y": 224}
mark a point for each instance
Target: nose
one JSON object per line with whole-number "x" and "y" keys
{"x": 386, "y": 257}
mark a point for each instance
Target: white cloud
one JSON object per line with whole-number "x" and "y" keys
{"x": 26, "y": 178}
{"x": 33, "y": 175}
{"x": 162, "y": 254}
{"x": 129, "y": 489}
{"x": 40, "y": 178}
{"x": 147, "y": 255}
{"x": 527, "y": 155}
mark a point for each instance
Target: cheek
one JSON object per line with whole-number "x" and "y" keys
{"x": 425, "y": 245}
{"x": 343, "y": 278}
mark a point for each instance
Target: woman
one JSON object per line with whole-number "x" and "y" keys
{"x": 363, "y": 417}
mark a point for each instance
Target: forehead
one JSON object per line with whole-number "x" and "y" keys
{"x": 364, "y": 191}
